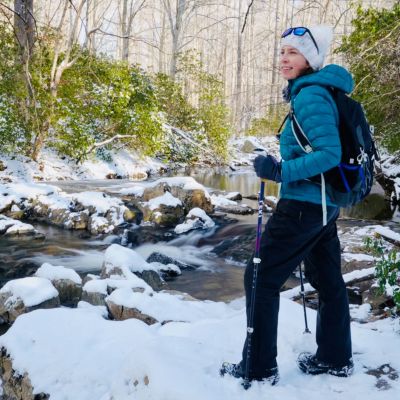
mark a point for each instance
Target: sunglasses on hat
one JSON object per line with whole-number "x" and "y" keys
{"x": 300, "y": 31}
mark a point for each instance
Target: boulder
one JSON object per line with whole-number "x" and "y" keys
{"x": 95, "y": 292}
{"x": 23, "y": 295}
{"x": 163, "y": 259}
{"x": 120, "y": 313}
{"x": 14, "y": 385}
{"x": 15, "y": 212}
{"x": 67, "y": 282}
{"x": 98, "y": 225}
{"x": 121, "y": 305}
{"x": 77, "y": 220}
{"x": 165, "y": 210}
{"x": 195, "y": 219}
{"x": 152, "y": 278}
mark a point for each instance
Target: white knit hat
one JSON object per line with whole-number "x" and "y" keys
{"x": 322, "y": 35}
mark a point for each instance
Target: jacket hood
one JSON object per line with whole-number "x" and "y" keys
{"x": 330, "y": 76}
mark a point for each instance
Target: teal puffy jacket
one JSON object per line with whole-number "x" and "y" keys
{"x": 317, "y": 114}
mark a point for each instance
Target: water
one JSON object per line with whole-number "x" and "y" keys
{"x": 215, "y": 278}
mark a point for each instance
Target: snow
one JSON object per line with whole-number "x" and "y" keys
{"x": 184, "y": 182}
{"x": 196, "y": 218}
{"x": 125, "y": 258}
{"x": 19, "y": 228}
{"x": 166, "y": 199}
{"x": 360, "y": 312}
{"x": 357, "y": 274}
{"x": 32, "y": 291}
{"x": 96, "y": 286}
{"x": 221, "y": 201}
{"x": 98, "y": 200}
{"x": 385, "y": 231}
{"x": 53, "y": 272}
{"x": 357, "y": 257}
{"x": 124, "y": 163}
{"x": 180, "y": 360}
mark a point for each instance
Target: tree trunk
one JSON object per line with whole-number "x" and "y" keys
{"x": 124, "y": 31}
{"x": 24, "y": 27}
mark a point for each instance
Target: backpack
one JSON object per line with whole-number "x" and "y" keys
{"x": 351, "y": 181}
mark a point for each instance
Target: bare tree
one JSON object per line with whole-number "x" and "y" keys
{"x": 64, "y": 46}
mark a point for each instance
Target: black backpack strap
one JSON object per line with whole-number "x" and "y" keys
{"x": 299, "y": 134}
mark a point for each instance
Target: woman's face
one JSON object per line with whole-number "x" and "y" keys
{"x": 292, "y": 63}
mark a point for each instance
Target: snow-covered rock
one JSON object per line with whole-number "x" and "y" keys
{"x": 127, "y": 264}
{"x": 67, "y": 282}
{"x": 191, "y": 193}
{"x": 195, "y": 219}
{"x": 223, "y": 204}
{"x": 121, "y": 306}
{"x": 19, "y": 296}
{"x": 165, "y": 210}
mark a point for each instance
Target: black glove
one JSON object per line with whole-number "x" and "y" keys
{"x": 268, "y": 168}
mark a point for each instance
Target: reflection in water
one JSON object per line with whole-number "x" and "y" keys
{"x": 245, "y": 182}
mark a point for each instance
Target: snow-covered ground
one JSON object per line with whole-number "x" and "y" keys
{"x": 76, "y": 354}
{"x": 52, "y": 167}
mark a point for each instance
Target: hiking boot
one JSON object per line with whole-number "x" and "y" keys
{"x": 309, "y": 364}
{"x": 271, "y": 375}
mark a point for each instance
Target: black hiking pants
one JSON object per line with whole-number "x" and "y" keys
{"x": 292, "y": 234}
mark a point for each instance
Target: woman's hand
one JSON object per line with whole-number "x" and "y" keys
{"x": 268, "y": 168}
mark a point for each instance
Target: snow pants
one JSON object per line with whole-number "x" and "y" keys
{"x": 294, "y": 233}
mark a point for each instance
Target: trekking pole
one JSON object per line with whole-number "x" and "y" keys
{"x": 304, "y": 300}
{"x": 256, "y": 262}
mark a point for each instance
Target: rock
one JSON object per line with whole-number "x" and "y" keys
{"x": 67, "y": 282}
{"x": 15, "y": 213}
{"x": 164, "y": 215}
{"x": 374, "y": 297}
{"x": 95, "y": 292}
{"x": 98, "y": 225}
{"x": 23, "y": 295}
{"x": 16, "y": 386}
{"x": 70, "y": 292}
{"x": 120, "y": 313}
{"x": 163, "y": 259}
{"x": 249, "y": 146}
{"x": 236, "y": 209}
{"x": 152, "y": 278}
{"x": 77, "y": 220}
{"x": 20, "y": 229}
{"x": 165, "y": 210}
{"x": 5, "y": 223}
{"x": 187, "y": 190}
{"x": 113, "y": 175}
{"x": 234, "y": 196}
{"x": 3, "y": 166}
{"x": 184, "y": 296}
{"x": 130, "y": 215}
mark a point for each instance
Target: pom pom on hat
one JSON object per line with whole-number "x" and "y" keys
{"x": 322, "y": 35}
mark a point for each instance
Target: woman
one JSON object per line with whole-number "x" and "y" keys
{"x": 301, "y": 229}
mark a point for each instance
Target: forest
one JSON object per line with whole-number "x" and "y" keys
{"x": 86, "y": 76}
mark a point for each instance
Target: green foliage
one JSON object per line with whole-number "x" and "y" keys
{"x": 112, "y": 99}
{"x": 100, "y": 104}
{"x": 96, "y": 100}
{"x": 174, "y": 103}
{"x": 387, "y": 268}
{"x": 212, "y": 115}
{"x": 373, "y": 53}
{"x": 270, "y": 123}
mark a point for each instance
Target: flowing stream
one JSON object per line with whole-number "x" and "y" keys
{"x": 215, "y": 278}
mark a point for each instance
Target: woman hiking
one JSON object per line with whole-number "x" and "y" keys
{"x": 303, "y": 226}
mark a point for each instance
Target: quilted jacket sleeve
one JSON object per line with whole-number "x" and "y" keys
{"x": 317, "y": 114}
